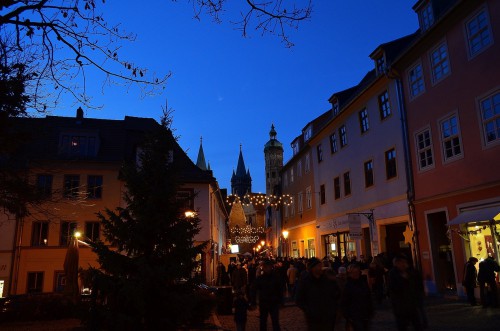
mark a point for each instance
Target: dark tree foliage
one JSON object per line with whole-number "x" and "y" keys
{"x": 152, "y": 246}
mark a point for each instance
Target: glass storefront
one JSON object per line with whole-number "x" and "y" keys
{"x": 339, "y": 244}
{"x": 482, "y": 241}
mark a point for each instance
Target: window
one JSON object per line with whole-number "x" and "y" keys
{"x": 59, "y": 281}
{"x": 286, "y": 207}
{"x": 322, "y": 194}
{"x": 390, "y": 164}
{"x": 308, "y": 198}
{"x": 71, "y": 185}
{"x": 295, "y": 148}
{"x": 440, "y": 65}
{"x": 308, "y": 163}
{"x": 426, "y": 17}
{"x": 368, "y": 169}
{"x": 78, "y": 145}
{"x": 380, "y": 65}
{"x": 450, "y": 138}
{"x": 347, "y": 184}
{"x": 336, "y": 188}
{"x": 307, "y": 133}
{"x": 478, "y": 32}
{"x": 335, "y": 107}
{"x": 285, "y": 179}
{"x": 490, "y": 115}
{"x": 35, "y": 282}
{"x": 424, "y": 149}
{"x": 319, "y": 149}
{"x": 363, "y": 120}
{"x": 92, "y": 231}
{"x": 44, "y": 185}
{"x": 299, "y": 168}
{"x": 416, "y": 80}
{"x": 333, "y": 143}
{"x": 384, "y": 106}
{"x": 94, "y": 187}
{"x": 39, "y": 234}
{"x": 311, "y": 248}
{"x": 300, "y": 206}
{"x": 67, "y": 231}
{"x": 185, "y": 199}
{"x": 291, "y": 175}
{"x": 292, "y": 208}
{"x": 343, "y": 136}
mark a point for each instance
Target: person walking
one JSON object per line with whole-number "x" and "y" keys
{"x": 221, "y": 274}
{"x": 239, "y": 278}
{"x": 240, "y": 311}
{"x": 406, "y": 294}
{"x": 291, "y": 275}
{"x": 356, "y": 302}
{"x": 470, "y": 280}
{"x": 317, "y": 296}
{"x": 486, "y": 276}
{"x": 269, "y": 292}
{"x": 376, "y": 275}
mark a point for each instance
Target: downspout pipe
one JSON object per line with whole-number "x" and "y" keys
{"x": 410, "y": 192}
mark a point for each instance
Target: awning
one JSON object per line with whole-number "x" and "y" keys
{"x": 477, "y": 215}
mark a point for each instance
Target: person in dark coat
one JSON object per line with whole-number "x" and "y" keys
{"x": 267, "y": 288}
{"x": 470, "y": 280}
{"x": 486, "y": 275}
{"x": 239, "y": 278}
{"x": 356, "y": 302}
{"x": 241, "y": 306}
{"x": 221, "y": 274}
{"x": 318, "y": 296}
{"x": 406, "y": 294}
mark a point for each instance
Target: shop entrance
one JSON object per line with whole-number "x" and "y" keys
{"x": 395, "y": 241}
{"x": 442, "y": 260}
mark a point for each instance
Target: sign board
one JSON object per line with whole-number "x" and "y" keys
{"x": 355, "y": 231}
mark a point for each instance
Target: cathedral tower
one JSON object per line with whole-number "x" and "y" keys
{"x": 273, "y": 154}
{"x": 241, "y": 181}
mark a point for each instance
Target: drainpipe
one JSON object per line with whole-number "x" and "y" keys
{"x": 410, "y": 192}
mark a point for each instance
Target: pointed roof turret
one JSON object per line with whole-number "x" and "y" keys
{"x": 241, "y": 181}
{"x": 201, "y": 157}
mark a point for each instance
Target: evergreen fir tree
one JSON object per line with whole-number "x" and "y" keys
{"x": 144, "y": 275}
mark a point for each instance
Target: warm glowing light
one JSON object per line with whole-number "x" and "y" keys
{"x": 189, "y": 214}
{"x": 262, "y": 243}
{"x": 285, "y": 234}
{"x": 78, "y": 234}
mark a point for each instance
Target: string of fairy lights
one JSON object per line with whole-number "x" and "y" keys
{"x": 260, "y": 199}
{"x": 472, "y": 232}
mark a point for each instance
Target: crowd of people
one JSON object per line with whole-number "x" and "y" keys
{"x": 333, "y": 293}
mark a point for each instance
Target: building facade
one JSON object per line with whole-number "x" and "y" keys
{"x": 76, "y": 163}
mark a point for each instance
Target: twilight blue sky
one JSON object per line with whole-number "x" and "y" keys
{"x": 230, "y": 89}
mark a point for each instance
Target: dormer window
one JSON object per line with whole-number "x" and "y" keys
{"x": 426, "y": 17}
{"x": 380, "y": 65}
{"x": 335, "y": 107}
{"x": 78, "y": 145}
{"x": 295, "y": 147}
{"x": 307, "y": 133}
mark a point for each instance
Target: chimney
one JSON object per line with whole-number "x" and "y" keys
{"x": 79, "y": 113}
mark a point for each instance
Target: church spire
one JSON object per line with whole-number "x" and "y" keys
{"x": 200, "y": 163}
{"x": 241, "y": 181}
{"x": 240, "y": 169}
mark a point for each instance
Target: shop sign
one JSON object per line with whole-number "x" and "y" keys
{"x": 355, "y": 231}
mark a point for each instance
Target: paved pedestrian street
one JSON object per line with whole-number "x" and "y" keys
{"x": 443, "y": 315}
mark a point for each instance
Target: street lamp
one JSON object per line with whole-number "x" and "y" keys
{"x": 262, "y": 243}
{"x": 285, "y": 236}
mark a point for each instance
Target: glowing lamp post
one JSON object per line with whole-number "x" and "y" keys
{"x": 285, "y": 236}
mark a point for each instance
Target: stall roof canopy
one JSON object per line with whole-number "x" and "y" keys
{"x": 477, "y": 215}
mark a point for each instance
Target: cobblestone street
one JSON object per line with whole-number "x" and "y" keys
{"x": 443, "y": 314}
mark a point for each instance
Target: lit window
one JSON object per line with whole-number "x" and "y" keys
{"x": 76, "y": 145}
{"x": 490, "y": 115}
{"x": 39, "y": 234}
{"x": 440, "y": 64}
{"x": 478, "y": 32}
{"x": 424, "y": 149}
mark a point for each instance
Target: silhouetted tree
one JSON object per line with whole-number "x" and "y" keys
{"x": 144, "y": 274}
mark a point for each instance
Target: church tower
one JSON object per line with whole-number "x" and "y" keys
{"x": 200, "y": 162}
{"x": 273, "y": 154}
{"x": 241, "y": 181}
